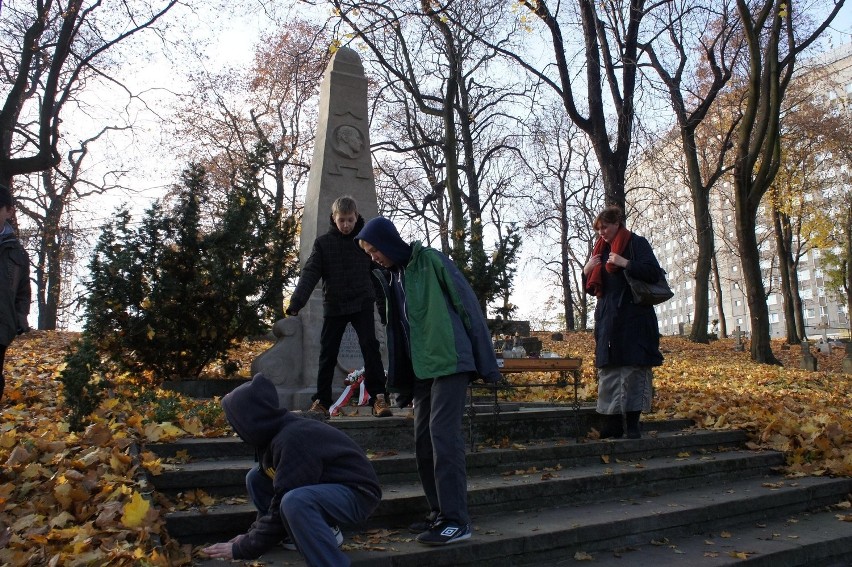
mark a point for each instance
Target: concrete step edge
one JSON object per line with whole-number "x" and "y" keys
{"x": 529, "y": 490}
{"x": 553, "y": 536}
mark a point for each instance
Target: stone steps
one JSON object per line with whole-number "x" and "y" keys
{"x": 540, "y": 501}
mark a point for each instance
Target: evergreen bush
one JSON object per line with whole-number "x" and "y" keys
{"x": 82, "y": 382}
{"x": 176, "y": 293}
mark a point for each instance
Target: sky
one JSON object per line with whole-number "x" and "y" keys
{"x": 230, "y": 41}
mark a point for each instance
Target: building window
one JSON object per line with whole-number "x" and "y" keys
{"x": 804, "y": 275}
{"x": 773, "y": 317}
{"x": 807, "y": 293}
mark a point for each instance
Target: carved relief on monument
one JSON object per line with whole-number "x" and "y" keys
{"x": 348, "y": 141}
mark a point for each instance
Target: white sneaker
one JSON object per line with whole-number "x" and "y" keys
{"x": 338, "y": 535}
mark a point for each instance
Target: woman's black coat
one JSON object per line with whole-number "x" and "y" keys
{"x": 627, "y": 334}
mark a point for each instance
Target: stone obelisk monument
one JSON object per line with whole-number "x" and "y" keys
{"x": 341, "y": 165}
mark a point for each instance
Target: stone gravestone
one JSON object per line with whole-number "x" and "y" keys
{"x": 823, "y": 345}
{"x": 809, "y": 362}
{"x": 738, "y": 345}
{"x": 847, "y": 360}
{"x": 341, "y": 165}
{"x": 349, "y": 358}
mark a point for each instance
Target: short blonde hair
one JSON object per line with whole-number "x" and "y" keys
{"x": 344, "y": 205}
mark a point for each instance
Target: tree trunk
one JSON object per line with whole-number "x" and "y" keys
{"x": 784, "y": 262}
{"x": 704, "y": 234}
{"x": 720, "y": 306}
{"x": 746, "y": 227}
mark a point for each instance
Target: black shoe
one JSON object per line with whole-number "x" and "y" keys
{"x": 613, "y": 428}
{"x": 633, "y": 429}
{"x": 424, "y": 525}
{"x": 444, "y": 533}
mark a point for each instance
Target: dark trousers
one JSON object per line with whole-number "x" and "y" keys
{"x": 439, "y": 444}
{"x": 364, "y": 324}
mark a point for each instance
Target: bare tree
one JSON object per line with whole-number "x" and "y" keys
{"x": 49, "y": 200}
{"x": 708, "y": 33}
{"x": 568, "y": 196}
{"x": 610, "y": 56}
{"x": 49, "y": 50}
{"x": 452, "y": 106}
{"x": 773, "y": 47}
{"x": 272, "y": 103}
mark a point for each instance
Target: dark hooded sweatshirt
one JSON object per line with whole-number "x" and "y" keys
{"x": 294, "y": 452}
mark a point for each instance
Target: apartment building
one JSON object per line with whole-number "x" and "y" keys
{"x": 666, "y": 219}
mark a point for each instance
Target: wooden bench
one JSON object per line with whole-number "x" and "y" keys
{"x": 569, "y": 375}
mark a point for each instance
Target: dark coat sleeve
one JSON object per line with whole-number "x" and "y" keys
{"x": 309, "y": 278}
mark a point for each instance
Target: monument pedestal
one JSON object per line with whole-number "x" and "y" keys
{"x": 341, "y": 165}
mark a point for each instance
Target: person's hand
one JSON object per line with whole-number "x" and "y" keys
{"x": 619, "y": 261}
{"x": 220, "y": 550}
{"x": 591, "y": 264}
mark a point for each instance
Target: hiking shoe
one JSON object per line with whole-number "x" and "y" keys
{"x": 288, "y": 543}
{"x": 319, "y": 409}
{"x": 381, "y": 407}
{"x": 444, "y": 533}
{"x": 424, "y": 525}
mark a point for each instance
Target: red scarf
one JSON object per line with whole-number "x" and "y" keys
{"x": 594, "y": 282}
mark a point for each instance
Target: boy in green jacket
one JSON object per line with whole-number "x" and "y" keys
{"x": 438, "y": 342}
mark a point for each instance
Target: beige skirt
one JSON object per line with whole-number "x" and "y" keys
{"x": 625, "y": 388}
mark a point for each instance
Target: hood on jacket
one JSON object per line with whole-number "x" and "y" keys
{"x": 359, "y": 224}
{"x": 382, "y": 234}
{"x": 252, "y": 410}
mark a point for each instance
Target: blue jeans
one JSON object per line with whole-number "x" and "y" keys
{"x": 439, "y": 444}
{"x": 308, "y": 511}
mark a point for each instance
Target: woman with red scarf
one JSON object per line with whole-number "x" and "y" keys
{"x": 627, "y": 337}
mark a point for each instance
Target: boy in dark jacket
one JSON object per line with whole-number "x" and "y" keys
{"x": 349, "y": 296}
{"x": 309, "y": 476}
{"x": 14, "y": 281}
{"x": 438, "y": 341}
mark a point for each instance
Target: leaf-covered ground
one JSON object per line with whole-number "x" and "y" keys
{"x": 80, "y": 498}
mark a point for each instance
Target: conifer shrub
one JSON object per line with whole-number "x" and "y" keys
{"x": 172, "y": 294}
{"x": 82, "y": 382}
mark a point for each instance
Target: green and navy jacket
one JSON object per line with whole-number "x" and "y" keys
{"x": 435, "y": 325}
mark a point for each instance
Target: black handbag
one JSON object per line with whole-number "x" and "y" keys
{"x": 645, "y": 293}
